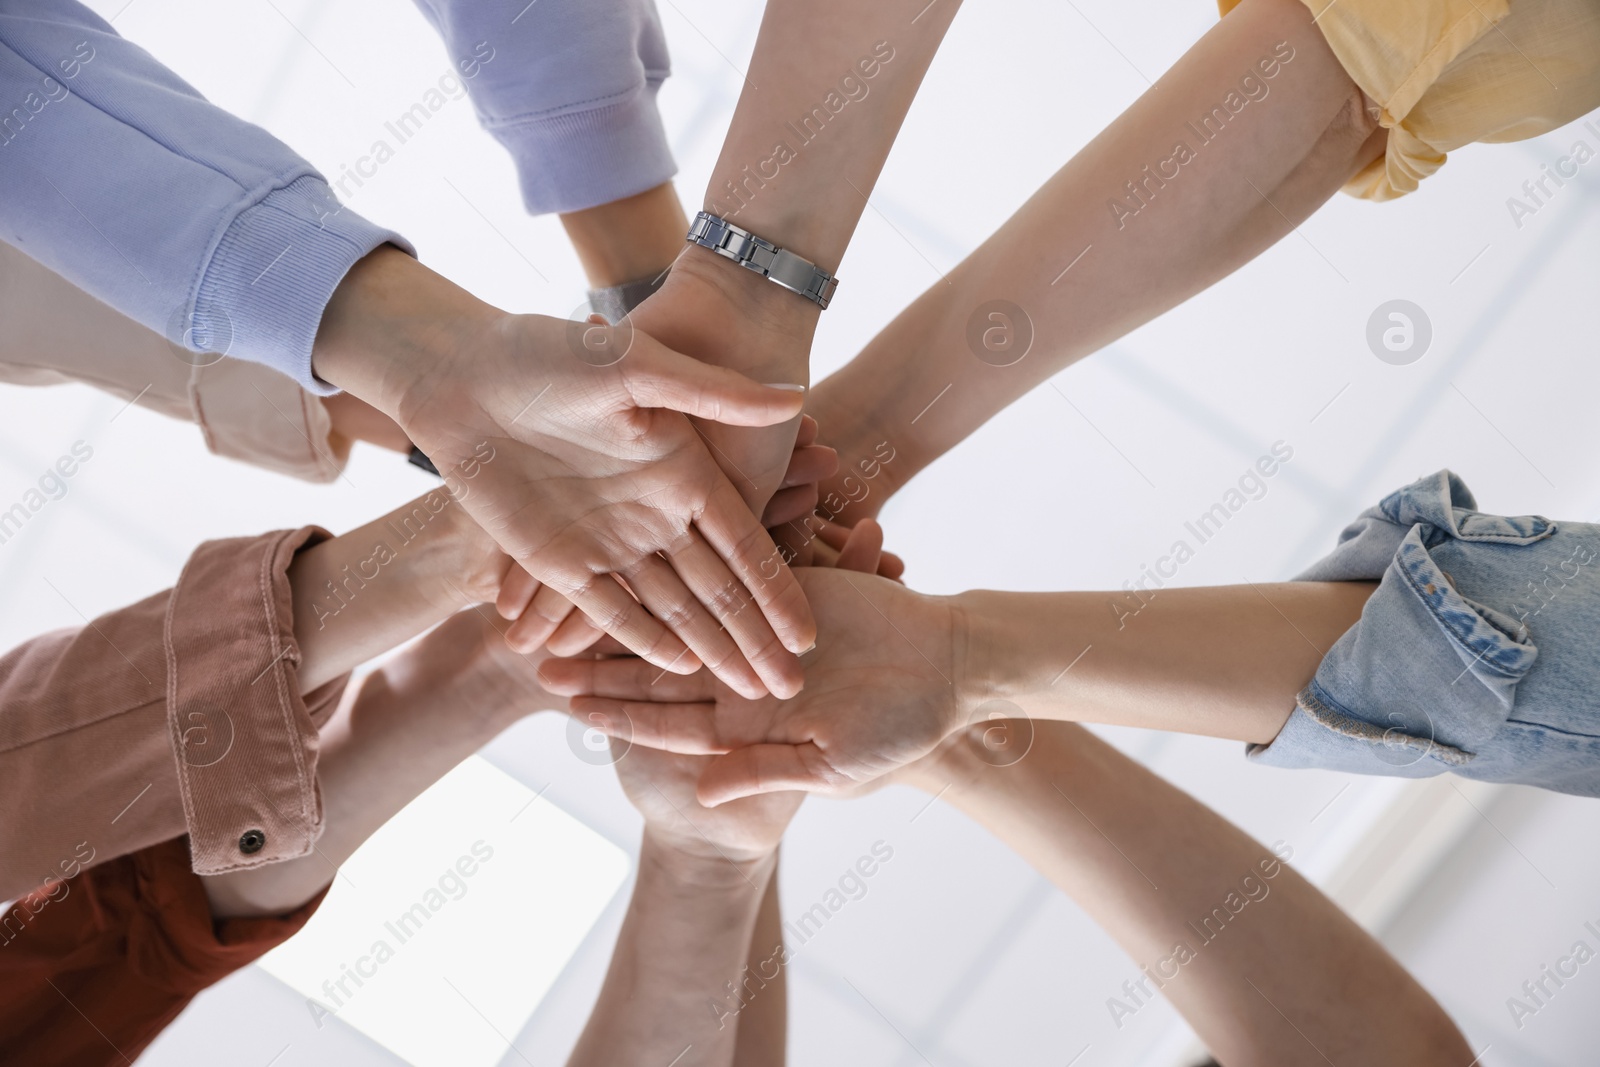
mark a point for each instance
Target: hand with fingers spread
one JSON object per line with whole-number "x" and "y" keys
{"x": 570, "y": 444}
{"x": 882, "y": 692}
{"x": 541, "y": 617}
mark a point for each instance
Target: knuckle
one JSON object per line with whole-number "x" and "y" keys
{"x": 676, "y": 614}
{"x": 614, "y": 617}
{"x": 727, "y": 600}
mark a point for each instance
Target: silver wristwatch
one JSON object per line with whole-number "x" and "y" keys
{"x": 765, "y": 258}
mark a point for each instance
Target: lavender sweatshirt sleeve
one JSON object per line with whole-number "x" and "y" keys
{"x": 569, "y": 88}
{"x": 122, "y": 178}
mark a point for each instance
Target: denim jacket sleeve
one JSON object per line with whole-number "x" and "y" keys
{"x": 122, "y": 178}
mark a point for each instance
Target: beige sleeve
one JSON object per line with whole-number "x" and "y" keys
{"x": 57, "y": 333}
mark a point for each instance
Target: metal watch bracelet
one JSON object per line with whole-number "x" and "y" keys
{"x": 779, "y": 265}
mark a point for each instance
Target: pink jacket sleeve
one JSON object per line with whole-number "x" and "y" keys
{"x": 180, "y": 714}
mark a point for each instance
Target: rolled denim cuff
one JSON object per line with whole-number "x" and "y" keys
{"x": 582, "y": 158}
{"x": 262, "y": 292}
{"x": 1428, "y": 679}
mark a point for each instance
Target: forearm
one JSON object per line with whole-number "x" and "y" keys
{"x": 1224, "y": 661}
{"x": 1264, "y": 967}
{"x": 1119, "y": 235}
{"x": 830, "y": 84}
{"x": 669, "y": 996}
{"x": 352, "y": 419}
{"x": 628, "y": 240}
{"x": 388, "y": 320}
{"x": 369, "y": 590}
{"x": 764, "y": 1020}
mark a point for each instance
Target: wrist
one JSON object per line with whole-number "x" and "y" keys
{"x": 391, "y": 324}
{"x": 748, "y": 297}
{"x": 432, "y": 556}
{"x": 462, "y": 563}
{"x": 353, "y": 419}
{"x": 881, "y": 453}
{"x": 798, "y": 227}
{"x": 696, "y": 870}
{"x": 629, "y": 239}
{"x": 987, "y": 643}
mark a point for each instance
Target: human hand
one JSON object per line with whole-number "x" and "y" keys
{"x": 855, "y": 489}
{"x": 804, "y": 537}
{"x": 821, "y": 544}
{"x": 726, "y": 316}
{"x": 808, "y": 463}
{"x": 883, "y": 690}
{"x": 662, "y": 786}
{"x": 584, "y": 474}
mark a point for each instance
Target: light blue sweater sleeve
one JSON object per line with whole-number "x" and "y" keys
{"x": 122, "y": 178}
{"x": 569, "y": 90}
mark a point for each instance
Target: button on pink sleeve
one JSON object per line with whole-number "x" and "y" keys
{"x": 245, "y": 741}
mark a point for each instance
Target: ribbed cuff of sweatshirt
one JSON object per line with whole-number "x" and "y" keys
{"x": 583, "y": 158}
{"x": 262, "y": 292}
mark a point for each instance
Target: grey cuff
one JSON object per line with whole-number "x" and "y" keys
{"x": 614, "y": 302}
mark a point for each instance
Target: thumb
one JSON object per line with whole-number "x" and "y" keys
{"x": 657, "y": 377}
{"x": 768, "y": 768}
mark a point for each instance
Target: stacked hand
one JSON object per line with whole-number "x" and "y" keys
{"x": 662, "y": 786}
{"x": 883, "y": 692}
{"x": 585, "y": 474}
{"x": 727, "y": 317}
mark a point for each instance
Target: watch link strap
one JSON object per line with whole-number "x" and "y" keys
{"x": 765, "y": 258}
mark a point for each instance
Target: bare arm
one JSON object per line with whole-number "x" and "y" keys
{"x": 682, "y": 948}
{"x": 764, "y": 1023}
{"x": 379, "y": 585}
{"x": 893, "y": 677}
{"x": 827, "y": 90}
{"x": 1225, "y": 661}
{"x": 1131, "y": 226}
{"x": 630, "y": 239}
{"x": 681, "y": 978}
{"x": 1264, "y": 967}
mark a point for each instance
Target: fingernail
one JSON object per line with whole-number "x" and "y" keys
{"x": 789, "y": 386}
